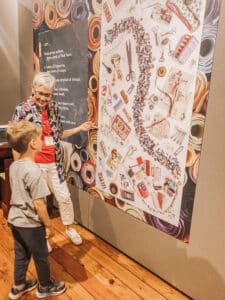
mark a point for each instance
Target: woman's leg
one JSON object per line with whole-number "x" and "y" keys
{"x": 61, "y": 193}
{"x": 63, "y": 198}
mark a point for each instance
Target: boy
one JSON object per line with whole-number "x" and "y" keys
{"x": 28, "y": 217}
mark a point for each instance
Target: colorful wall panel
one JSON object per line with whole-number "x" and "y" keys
{"x": 155, "y": 68}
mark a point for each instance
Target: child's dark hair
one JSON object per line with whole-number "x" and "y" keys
{"x": 19, "y": 135}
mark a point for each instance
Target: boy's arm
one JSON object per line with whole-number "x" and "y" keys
{"x": 42, "y": 212}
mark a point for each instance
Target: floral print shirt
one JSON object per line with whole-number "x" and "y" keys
{"x": 28, "y": 110}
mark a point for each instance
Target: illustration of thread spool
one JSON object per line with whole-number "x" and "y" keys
{"x": 193, "y": 170}
{"x": 88, "y": 173}
{"x": 38, "y": 13}
{"x": 201, "y": 91}
{"x": 92, "y": 107}
{"x": 212, "y": 11}
{"x": 94, "y": 33}
{"x": 92, "y": 145}
{"x": 63, "y": 8}
{"x": 113, "y": 188}
{"x": 74, "y": 179}
{"x": 197, "y": 131}
{"x": 207, "y": 48}
{"x": 84, "y": 155}
{"x": 93, "y": 83}
{"x": 96, "y": 63}
{"x": 136, "y": 213}
{"x": 97, "y": 6}
{"x": 62, "y": 23}
{"x": 96, "y": 193}
{"x": 36, "y": 63}
{"x": 79, "y": 10}
{"x": 191, "y": 156}
{"x": 51, "y": 16}
{"x": 75, "y": 162}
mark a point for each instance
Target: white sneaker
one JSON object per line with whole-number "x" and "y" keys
{"x": 74, "y": 236}
{"x": 49, "y": 247}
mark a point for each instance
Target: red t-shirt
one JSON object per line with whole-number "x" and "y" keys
{"x": 47, "y": 154}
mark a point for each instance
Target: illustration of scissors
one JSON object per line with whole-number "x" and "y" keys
{"x": 131, "y": 74}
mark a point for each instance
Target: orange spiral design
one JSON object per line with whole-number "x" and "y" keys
{"x": 62, "y": 23}
{"x": 96, "y": 63}
{"x": 93, "y": 83}
{"x": 94, "y": 33}
{"x": 38, "y": 13}
{"x": 51, "y": 16}
{"x": 95, "y": 192}
{"x": 36, "y": 63}
{"x": 63, "y": 7}
{"x": 201, "y": 91}
{"x": 92, "y": 107}
{"x": 92, "y": 144}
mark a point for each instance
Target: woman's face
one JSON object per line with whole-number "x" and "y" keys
{"x": 42, "y": 96}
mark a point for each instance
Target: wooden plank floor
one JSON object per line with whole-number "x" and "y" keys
{"x": 94, "y": 270}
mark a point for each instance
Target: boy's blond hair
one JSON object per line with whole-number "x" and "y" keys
{"x": 19, "y": 135}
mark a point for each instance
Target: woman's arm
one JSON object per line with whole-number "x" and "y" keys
{"x": 83, "y": 127}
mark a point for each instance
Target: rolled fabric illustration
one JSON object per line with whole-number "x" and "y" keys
{"x": 84, "y": 155}
{"x": 38, "y": 13}
{"x": 75, "y": 179}
{"x": 51, "y": 16}
{"x": 36, "y": 63}
{"x": 212, "y": 11}
{"x": 92, "y": 145}
{"x": 79, "y": 10}
{"x": 88, "y": 171}
{"x": 62, "y": 23}
{"x": 93, "y": 83}
{"x": 92, "y": 107}
{"x": 193, "y": 170}
{"x": 135, "y": 212}
{"x": 75, "y": 162}
{"x": 95, "y": 192}
{"x": 191, "y": 156}
{"x": 97, "y": 6}
{"x": 96, "y": 63}
{"x": 201, "y": 91}
{"x": 207, "y": 48}
{"x": 63, "y": 7}
{"x": 94, "y": 33}
{"x": 197, "y": 131}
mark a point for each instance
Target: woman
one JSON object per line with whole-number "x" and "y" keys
{"x": 41, "y": 110}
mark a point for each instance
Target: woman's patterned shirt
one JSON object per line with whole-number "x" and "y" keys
{"x": 28, "y": 110}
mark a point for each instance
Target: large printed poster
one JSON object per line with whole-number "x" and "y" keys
{"x": 149, "y": 62}
{"x": 152, "y": 95}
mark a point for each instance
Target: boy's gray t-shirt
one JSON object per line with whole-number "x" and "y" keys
{"x": 27, "y": 183}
